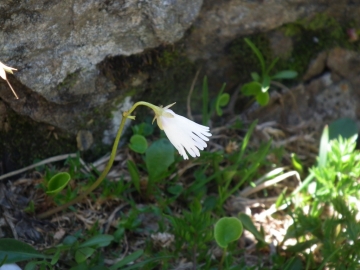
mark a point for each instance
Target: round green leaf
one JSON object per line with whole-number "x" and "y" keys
{"x": 251, "y": 89}
{"x": 227, "y": 230}
{"x": 345, "y": 127}
{"x": 221, "y": 101}
{"x": 159, "y": 156}
{"x": 263, "y": 98}
{"x": 138, "y": 144}
{"x": 58, "y": 182}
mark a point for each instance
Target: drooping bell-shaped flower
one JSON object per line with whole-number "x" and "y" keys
{"x": 183, "y": 133}
{"x": 3, "y": 70}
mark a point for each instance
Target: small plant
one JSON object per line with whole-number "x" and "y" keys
{"x": 331, "y": 194}
{"x": 227, "y": 230}
{"x": 208, "y": 109}
{"x": 259, "y": 87}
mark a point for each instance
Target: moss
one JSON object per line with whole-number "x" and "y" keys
{"x": 26, "y": 141}
{"x": 168, "y": 74}
{"x": 309, "y": 36}
{"x": 243, "y": 58}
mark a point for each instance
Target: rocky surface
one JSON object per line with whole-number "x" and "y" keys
{"x": 59, "y": 46}
{"x": 56, "y": 46}
{"x": 331, "y": 92}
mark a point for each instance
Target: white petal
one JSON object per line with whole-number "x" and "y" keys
{"x": 10, "y": 267}
{"x": 184, "y": 133}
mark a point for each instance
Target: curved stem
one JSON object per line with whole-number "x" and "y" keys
{"x": 108, "y": 165}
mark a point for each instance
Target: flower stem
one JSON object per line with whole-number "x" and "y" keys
{"x": 107, "y": 168}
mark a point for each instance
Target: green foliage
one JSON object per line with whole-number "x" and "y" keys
{"x": 344, "y": 127}
{"x": 260, "y": 85}
{"x": 12, "y": 251}
{"x": 58, "y": 182}
{"x": 208, "y": 108}
{"x": 227, "y": 230}
{"x": 138, "y": 144}
{"x": 158, "y": 157}
{"x": 331, "y": 196}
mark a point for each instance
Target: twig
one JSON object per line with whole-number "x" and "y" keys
{"x": 16, "y": 96}
{"x": 189, "y": 115}
{"x": 46, "y": 161}
{"x": 247, "y": 192}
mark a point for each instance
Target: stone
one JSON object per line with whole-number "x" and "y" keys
{"x": 316, "y": 67}
{"x": 56, "y": 46}
{"x": 59, "y": 47}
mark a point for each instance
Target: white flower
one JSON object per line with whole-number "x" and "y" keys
{"x": 182, "y": 132}
{"x": 4, "y": 69}
{"x": 12, "y": 266}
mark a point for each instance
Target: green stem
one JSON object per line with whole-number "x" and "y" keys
{"x": 108, "y": 165}
{"x": 223, "y": 258}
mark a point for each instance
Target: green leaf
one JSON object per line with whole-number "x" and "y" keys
{"x": 263, "y": 98}
{"x": 128, "y": 259}
{"x": 55, "y": 257}
{"x": 31, "y": 265}
{"x": 271, "y": 65}
{"x": 345, "y": 127}
{"x": 251, "y": 89}
{"x": 296, "y": 163}
{"x": 144, "y": 129}
{"x": 58, "y": 182}
{"x": 255, "y": 76}
{"x": 227, "y": 230}
{"x": 175, "y": 190}
{"x": 249, "y": 225}
{"x": 101, "y": 240}
{"x": 324, "y": 147}
{"x": 138, "y": 144}
{"x": 134, "y": 174}
{"x": 158, "y": 157}
{"x": 16, "y": 251}
{"x": 221, "y": 101}
{"x": 285, "y": 74}
{"x": 265, "y": 84}
{"x": 257, "y": 53}
{"x": 83, "y": 253}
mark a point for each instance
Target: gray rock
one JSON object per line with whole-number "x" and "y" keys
{"x": 56, "y": 45}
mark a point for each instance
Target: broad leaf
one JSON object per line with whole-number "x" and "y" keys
{"x": 251, "y": 89}
{"x": 58, "y": 182}
{"x": 16, "y": 251}
{"x": 221, "y": 101}
{"x": 249, "y": 225}
{"x": 345, "y": 127}
{"x": 83, "y": 253}
{"x": 263, "y": 98}
{"x": 138, "y": 144}
{"x": 227, "y": 230}
{"x": 159, "y": 156}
